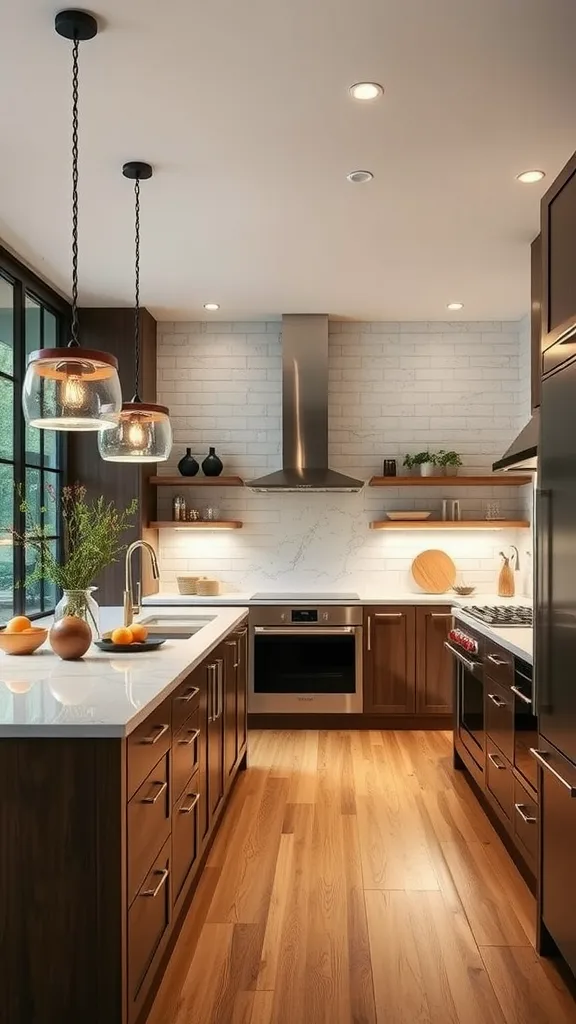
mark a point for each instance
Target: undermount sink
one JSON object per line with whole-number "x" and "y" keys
{"x": 173, "y": 627}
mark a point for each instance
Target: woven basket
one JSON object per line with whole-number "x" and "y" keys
{"x": 187, "y": 584}
{"x": 207, "y": 588}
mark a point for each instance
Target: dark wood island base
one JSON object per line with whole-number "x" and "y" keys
{"x": 102, "y": 843}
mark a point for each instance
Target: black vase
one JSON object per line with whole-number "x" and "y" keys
{"x": 188, "y": 465}
{"x": 212, "y": 465}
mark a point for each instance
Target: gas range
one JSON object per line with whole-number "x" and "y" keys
{"x": 500, "y": 615}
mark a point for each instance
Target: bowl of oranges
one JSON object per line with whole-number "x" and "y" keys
{"x": 128, "y": 640}
{"x": 19, "y": 636}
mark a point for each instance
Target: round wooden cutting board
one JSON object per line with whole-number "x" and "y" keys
{"x": 434, "y": 571}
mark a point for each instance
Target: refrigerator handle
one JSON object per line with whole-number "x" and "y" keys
{"x": 543, "y": 606}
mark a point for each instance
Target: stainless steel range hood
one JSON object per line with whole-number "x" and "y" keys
{"x": 523, "y": 452}
{"x": 305, "y": 412}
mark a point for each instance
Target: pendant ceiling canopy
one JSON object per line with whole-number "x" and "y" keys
{"x": 143, "y": 432}
{"x": 72, "y": 388}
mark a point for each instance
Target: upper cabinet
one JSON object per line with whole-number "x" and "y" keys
{"x": 558, "y": 222}
{"x": 536, "y": 319}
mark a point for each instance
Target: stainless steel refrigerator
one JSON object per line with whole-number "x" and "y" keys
{"x": 555, "y": 661}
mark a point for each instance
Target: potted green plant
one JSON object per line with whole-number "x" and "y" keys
{"x": 449, "y": 462}
{"x": 91, "y": 541}
{"x": 422, "y": 463}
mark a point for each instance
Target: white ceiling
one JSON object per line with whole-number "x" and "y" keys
{"x": 243, "y": 109}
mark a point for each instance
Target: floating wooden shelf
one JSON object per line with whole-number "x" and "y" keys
{"x": 196, "y": 481}
{"x": 492, "y": 480}
{"x": 460, "y": 524}
{"x": 221, "y": 524}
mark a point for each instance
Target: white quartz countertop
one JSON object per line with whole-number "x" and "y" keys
{"x": 102, "y": 695}
{"x": 364, "y": 597}
{"x": 517, "y": 639}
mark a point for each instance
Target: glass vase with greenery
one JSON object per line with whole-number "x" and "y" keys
{"x": 92, "y": 532}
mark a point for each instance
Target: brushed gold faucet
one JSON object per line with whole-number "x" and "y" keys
{"x": 132, "y": 605}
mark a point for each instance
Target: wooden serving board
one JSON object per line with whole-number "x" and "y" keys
{"x": 434, "y": 571}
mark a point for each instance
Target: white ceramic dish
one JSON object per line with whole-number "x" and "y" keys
{"x": 408, "y": 517}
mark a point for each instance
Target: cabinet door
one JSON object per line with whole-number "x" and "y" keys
{"x": 215, "y": 736}
{"x": 434, "y": 665}
{"x": 557, "y": 788}
{"x": 558, "y": 219}
{"x": 242, "y": 690}
{"x": 536, "y": 319}
{"x": 389, "y": 670}
{"x": 230, "y": 669}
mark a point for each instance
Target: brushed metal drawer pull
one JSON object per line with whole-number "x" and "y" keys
{"x": 541, "y": 756}
{"x": 190, "y": 807}
{"x": 520, "y": 695}
{"x": 154, "y": 892}
{"x": 501, "y": 662}
{"x": 154, "y": 799}
{"x": 496, "y": 762}
{"x": 528, "y": 818}
{"x": 193, "y": 737}
{"x": 150, "y": 740}
{"x": 191, "y": 693}
{"x": 234, "y": 644}
{"x": 388, "y": 615}
{"x": 441, "y": 615}
{"x": 497, "y": 700}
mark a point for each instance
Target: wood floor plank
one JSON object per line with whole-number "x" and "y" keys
{"x": 248, "y": 871}
{"x": 493, "y": 918}
{"x": 279, "y": 897}
{"x": 362, "y": 1007}
{"x": 528, "y": 992}
{"x": 288, "y": 1001}
{"x": 327, "y": 976}
{"x": 398, "y": 982}
{"x": 304, "y": 780}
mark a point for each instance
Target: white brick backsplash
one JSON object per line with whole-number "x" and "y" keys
{"x": 393, "y": 388}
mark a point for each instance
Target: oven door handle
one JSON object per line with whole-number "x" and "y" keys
{"x": 473, "y": 666}
{"x": 305, "y": 630}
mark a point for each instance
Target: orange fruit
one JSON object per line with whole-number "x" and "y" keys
{"x": 139, "y": 632}
{"x": 121, "y": 635}
{"x": 18, "y": 624}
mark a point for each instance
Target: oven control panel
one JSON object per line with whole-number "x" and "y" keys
{"x": 299, "y": 615}
{"x": 461, "y": 639}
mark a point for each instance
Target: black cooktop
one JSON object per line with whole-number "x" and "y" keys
{"x": 498, "y": 615}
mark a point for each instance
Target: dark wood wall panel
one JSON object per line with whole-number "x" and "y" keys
{"x": 112, "y": 330}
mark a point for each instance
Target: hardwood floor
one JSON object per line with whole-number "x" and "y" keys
{"x": 356, "y": 881}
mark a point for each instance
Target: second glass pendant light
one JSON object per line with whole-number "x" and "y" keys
{"x": 143, "y": 432}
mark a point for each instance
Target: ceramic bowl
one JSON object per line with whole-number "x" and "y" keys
{"x": 22, "y": 643}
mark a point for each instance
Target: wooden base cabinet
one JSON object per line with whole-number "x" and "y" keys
{"x": 101, "y": 844}
{"x": 407, "y": 670}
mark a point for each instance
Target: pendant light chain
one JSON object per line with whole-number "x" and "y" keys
{"x": 75, "y": 339}
{"x": 137, "y": 290}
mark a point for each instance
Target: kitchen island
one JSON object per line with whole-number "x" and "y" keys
{"x": 116, "y": 771}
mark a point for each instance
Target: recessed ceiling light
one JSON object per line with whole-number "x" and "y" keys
{"x": 211, "y": 306}
{"x": 366, "y": 90}
{"x": 530, "y": 177}
{"x": 359, "y": 177}
{"x": 455, "y": 305}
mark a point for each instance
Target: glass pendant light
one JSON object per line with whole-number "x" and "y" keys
{"x": 143, "y": 432}
{"x": 72, "y": 388}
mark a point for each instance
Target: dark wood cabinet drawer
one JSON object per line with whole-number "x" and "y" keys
{"x": 186, "y": 699}
{"x": 146, "y": 745}
{"x": 499, "y": 779}
{"x": 185, "y": 754}
{"x": 185, "y": 835}
{"x": 148, "y": 922}
{"x": 499, "y": 702}
{"x": 148, "y": 824}
{"x": 498, "y": 664}
{"x": 526, "y": 816}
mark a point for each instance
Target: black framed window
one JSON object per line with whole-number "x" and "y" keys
{"x": 31, "y": 317}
